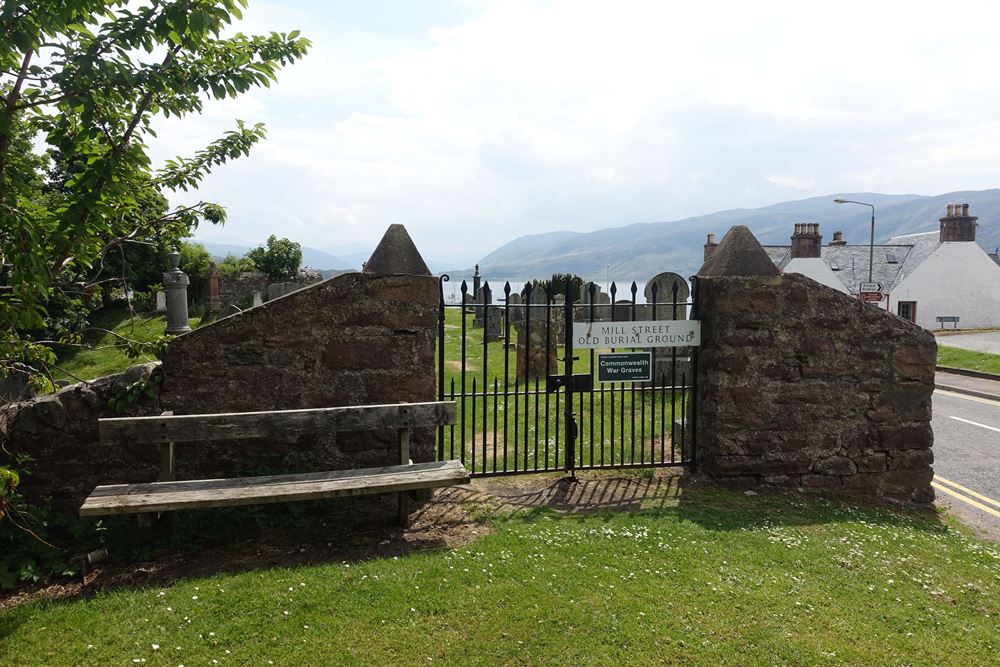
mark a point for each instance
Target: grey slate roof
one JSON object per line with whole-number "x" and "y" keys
{"x": 850, "y": 262}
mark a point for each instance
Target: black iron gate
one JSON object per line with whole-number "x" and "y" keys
{"x": 529, "y": 402}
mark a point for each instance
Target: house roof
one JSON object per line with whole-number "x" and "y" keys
{"x": 893, "y": 260}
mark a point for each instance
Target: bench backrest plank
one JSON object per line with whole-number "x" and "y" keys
{"x": 276, "y": 424}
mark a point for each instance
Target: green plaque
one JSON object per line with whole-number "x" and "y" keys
{"x": 625, "y": 367}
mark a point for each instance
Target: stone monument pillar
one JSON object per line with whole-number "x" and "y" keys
{"x": 175, "y": 283}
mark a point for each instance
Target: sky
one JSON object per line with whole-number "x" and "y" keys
{"x": 473, "y": 122}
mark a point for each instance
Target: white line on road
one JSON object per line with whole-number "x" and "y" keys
{"x": 969, "y": 421}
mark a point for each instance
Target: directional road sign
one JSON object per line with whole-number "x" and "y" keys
{"x": 870, "y": 287}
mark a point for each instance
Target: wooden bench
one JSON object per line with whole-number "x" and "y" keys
{"x": 167, "y": 430}
{"x": 947, "y": 318}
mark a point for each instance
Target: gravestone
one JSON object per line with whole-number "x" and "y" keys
{"x": 664, "y": 283}
{"x": 493, "y": 325}
{"x": 516, "y": 310}
{"x": 484, "y": 300}
{"x": 603, "y": 310}
{"x": 535, "y": 357}
{"x": 671, "y": 366}
{"x": 622, "y": 310}
{"x": 557, "y": 315}
{"x": 257, "y": 298}
{"x": 161, "y": 301}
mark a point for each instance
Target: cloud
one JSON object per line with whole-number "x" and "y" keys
{"x": 530, "y": 117}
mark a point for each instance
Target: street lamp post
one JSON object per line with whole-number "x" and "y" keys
{"x": 871, "y": 246}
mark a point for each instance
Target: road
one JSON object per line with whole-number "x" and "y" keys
{"x": 967, "y": 458}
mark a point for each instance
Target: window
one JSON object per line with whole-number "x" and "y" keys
{"x": 891, "y": 259}
{"x": 834, "y": 265}
{"x": 908, "y": 310}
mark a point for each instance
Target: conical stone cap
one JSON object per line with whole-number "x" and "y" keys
{"x": 739, "y": 254}
{"x": 396, "y": 254}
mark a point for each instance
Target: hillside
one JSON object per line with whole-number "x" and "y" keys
{"x": 641, "y": 250}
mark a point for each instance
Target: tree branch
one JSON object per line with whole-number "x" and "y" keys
{"x": 10, "y": 106}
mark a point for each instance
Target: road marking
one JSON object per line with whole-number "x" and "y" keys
{"x": 967, "y": 490}
{"x": 966, "y": 397}
{"x": 969, "y": 421}
{"x": 968, "y": 501}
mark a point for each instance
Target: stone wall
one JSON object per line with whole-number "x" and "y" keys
{"x": 239, "y": 291}
{"x": 356, "y": 339}
{"x": 352, "y": 340}
{"x": 804, "y": 387}
{"x": 59, "y": 433}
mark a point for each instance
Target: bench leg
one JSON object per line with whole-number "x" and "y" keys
{"x": 404, "y": 508}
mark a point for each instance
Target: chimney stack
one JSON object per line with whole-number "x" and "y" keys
{"x": 710, "y": 246}
{"x": 957, "y": 224}
{"x": 838, "y": 239}
{"x": 806, "y": 240}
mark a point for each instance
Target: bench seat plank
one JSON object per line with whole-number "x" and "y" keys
{"x": 166, "y": 496}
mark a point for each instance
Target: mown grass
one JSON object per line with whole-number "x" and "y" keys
{"x": 716, "y": 578}
{"x": 102, "y": 352}
{"x": 974, "y": 361}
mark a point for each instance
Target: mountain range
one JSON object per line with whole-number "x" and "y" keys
{"x": 639, "y": 251}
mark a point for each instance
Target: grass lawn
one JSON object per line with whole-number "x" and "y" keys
{"x": 975, "y": 361}
{"x": 102, "y": 355}
{"x": 712, "y": 577}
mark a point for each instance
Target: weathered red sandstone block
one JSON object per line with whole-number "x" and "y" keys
{"x": 910, "y": 459}
{"x": 834, "y": 465}
{"x": 906, "y": 437}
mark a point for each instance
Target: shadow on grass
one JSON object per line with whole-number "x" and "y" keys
{"x": 691, "y": 497}
{"x": 239, "y": 539}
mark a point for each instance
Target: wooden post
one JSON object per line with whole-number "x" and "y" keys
{"x": 404, "y": 459}
{"x": 167, "y": 521}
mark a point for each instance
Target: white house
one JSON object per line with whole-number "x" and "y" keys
{"x": 942, "y": 274}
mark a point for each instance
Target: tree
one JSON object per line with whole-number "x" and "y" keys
{"x": 281, "y": 259}
{"x": 88, "y": 77}
{"x": 557, "y": 285}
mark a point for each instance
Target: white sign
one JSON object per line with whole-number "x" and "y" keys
{"x": 870, "y": 287}
{"x": 654, "y": 333}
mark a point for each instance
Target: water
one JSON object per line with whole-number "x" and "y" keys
{"x": 452, "y": 290}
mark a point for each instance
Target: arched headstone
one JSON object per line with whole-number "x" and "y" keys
{"x": 664, "y": 288}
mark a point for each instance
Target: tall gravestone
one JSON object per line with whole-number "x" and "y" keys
{"x": 536, "y": 349}
{"x": 671, "y": 366}
{"x": 175, "y": 283}
{"x": 493, "y": 324}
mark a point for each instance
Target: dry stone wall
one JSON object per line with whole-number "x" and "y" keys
{"x": 356, "y": 339}
{"x": 804, "y": 387}
{"x": 59, "y": 433}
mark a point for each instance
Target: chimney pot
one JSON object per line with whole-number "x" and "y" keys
{"x": 710, "y": 246}
{"x": 957, "y": 224}
{"x": 806, "y": 240}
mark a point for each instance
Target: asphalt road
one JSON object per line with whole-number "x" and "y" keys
{"x": 982, "y": 341}
{"x": 967, "y": 458}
